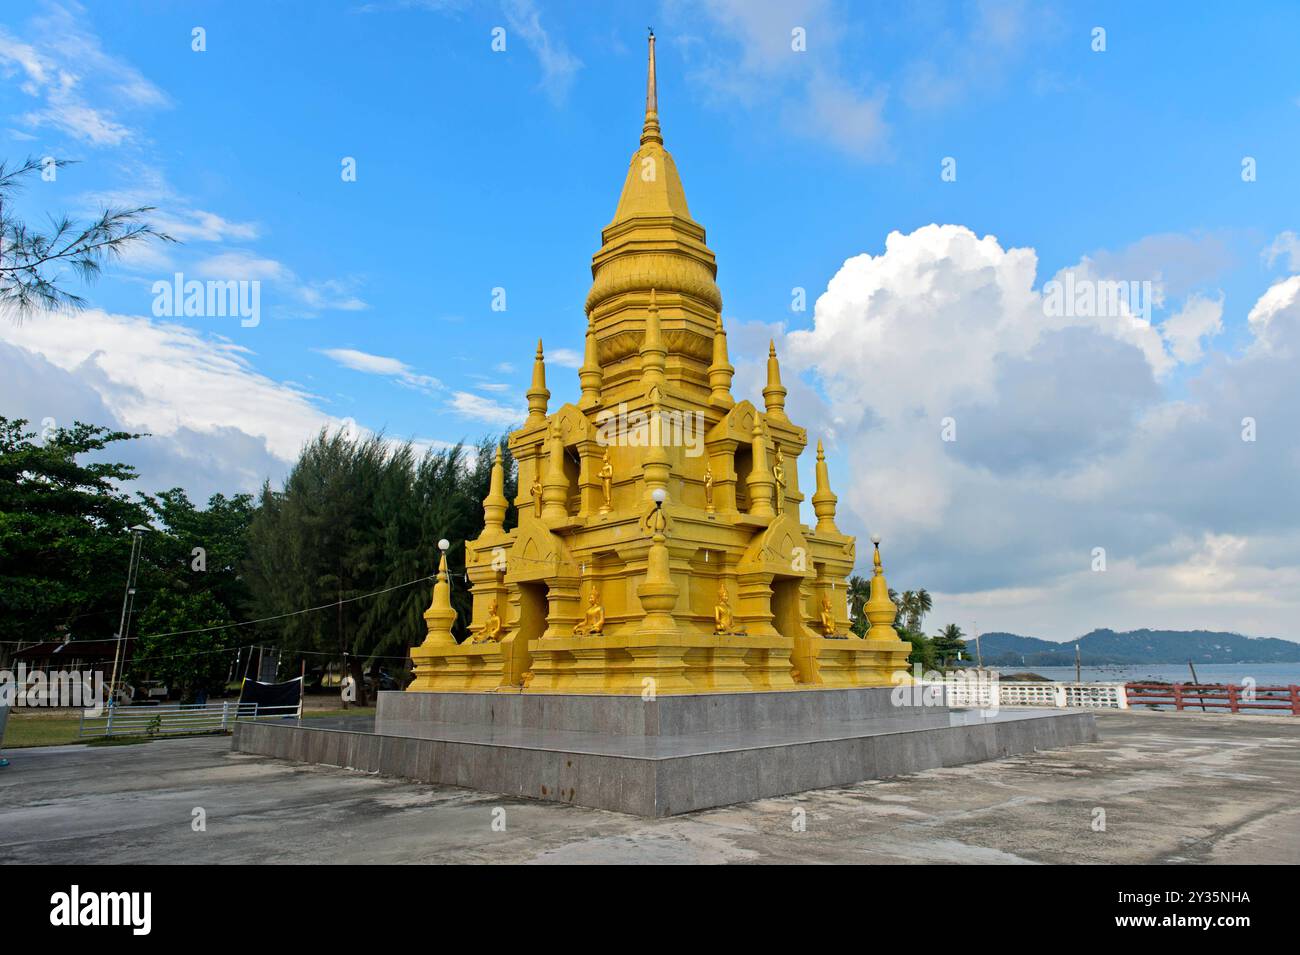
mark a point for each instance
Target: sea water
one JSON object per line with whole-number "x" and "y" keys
{"x": 1264, "y": 674}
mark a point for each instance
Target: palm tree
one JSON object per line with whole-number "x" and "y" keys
{"x": 904, "y": 602}
{"x": 921, "y": 606}
{"x": 949, "y": 642}
{"x": 859, "y": 594}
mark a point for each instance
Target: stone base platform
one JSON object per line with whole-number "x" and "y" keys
{"x": 660, "y": 757}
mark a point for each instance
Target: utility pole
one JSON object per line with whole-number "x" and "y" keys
{"x": 128, "y": 598}
{"x": 979, "y": 654}
{"x": 1078, "y": 665}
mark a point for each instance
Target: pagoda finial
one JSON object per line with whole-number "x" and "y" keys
{"x": 824, "y": 500}
{"x": 494, "y": 505}
{"x": 760, "y": 481}
{"x": 538, "y": 394}
{"x": 555, "y": 486}
{"x": 880, "y": 610}
{"x": 654, "y": 356}
{"x": 590, "y": 374}
{"x": 655, "y": 468}
{"x": 650, "y": 131}
{"x": 440, "y": 616}
{"x": 774, "y": 393}
{"x": 721, "y": 371}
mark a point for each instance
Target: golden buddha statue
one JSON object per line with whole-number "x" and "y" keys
{"x": 593, "y": 623}
{"x": 723, "y": 621}
{"x": 828, "y": 617}
{"x": 708, "y": 488}
{"x": 778, "y": 478}
{"x": 606, "y": 475}
{"x": 536, "y": 491}
{"x": 492, "y": 629}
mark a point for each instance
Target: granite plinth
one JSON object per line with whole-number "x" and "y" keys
{"x": 660, "y": 757}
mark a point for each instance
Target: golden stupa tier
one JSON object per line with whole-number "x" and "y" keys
{"x": 658, "y": 548}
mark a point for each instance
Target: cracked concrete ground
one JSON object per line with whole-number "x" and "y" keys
{"x": 1175, "y": 788}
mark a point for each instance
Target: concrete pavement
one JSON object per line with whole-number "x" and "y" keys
{"x": 1172, "y": 788}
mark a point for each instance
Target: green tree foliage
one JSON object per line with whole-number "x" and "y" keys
{"x": 859, "y": 594}
{"x": 913, "y": 605}
{"x": 189, "y": 580}
{"x": 949, "y": 644}
{"x": 64, "y": 538}
{"x": 357, "y": 516}
{"x": 34, "y": 263}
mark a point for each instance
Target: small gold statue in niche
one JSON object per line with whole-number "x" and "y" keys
{"x": 724, "y": 622}
{"x": 708, "y": 487}
{"x": 827, "y": 617}
{"x": 778, "y": 478}
{"x": 593, "y": 623}
{"x": 606, "y": 475}
{"x": 492, "y": 629}
{"x": 536, "y": 491}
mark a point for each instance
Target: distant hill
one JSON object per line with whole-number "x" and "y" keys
{"x": 1135, "y": 646}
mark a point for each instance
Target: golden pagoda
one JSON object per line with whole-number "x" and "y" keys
{"x": 659, "y": 548}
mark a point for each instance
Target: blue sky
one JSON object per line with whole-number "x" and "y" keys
{"x": 479, "y": 169}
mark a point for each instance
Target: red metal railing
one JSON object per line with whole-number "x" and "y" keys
{"x": 1215, "y": 696}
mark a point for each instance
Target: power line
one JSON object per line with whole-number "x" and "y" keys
{"x": 249, "y": 623}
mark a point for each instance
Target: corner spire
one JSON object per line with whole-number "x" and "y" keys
{"x": 440, "y": 616}
{"x": 824, "y": 500}
{"x": 880, "y": 610}
{"x": 590, "y": 375}
{"x": 774, "y": 393}
{"x": 650, "y": 131}
{"x": 495, "y": 504}
{"x": 720, "y": 371}
{"x": 538, "y": 394}
{"x": 654, "y": 356}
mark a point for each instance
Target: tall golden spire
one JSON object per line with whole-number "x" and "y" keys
{"x": 440, "y": 616}
{"x": 880, "y": 610}
{"x": 774, "y": 393}
{"x": 721, "y": 371}
{"x": 538, "y": 394}
{"x": 650, "y": 131}
{"x": 824, "y": 499}
{"x": 760, "y": 480}
{"x": 495, "y": 504}
{"x": 555, "y": 486}
{"x": 590, "y": 375}
{"x": 654, "y": 355}
{"x": 652, "y": 242}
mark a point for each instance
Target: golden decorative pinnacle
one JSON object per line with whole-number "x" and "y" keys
{"x": 774, "y": 393}
{"x": 650, "y": 131}
{"x": 721, "y": 371}
{"x": 880, "y": 610}
{"x": 823, "y": 500}
{"x": 654, "y": 356}
{"x": 495, "y": 504}
{"x": 440, "y": 616}
{"x": 760, "y": 481}
{"x": 538, "y": 394}
{"x": 590, "y": 375}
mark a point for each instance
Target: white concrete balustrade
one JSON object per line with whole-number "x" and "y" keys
{"x": 986, "y": 694}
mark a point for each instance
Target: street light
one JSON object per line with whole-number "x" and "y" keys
{"x": 128, "y": 600}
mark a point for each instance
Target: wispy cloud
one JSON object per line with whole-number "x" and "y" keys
{"x": 564, "y": 357}
{"x": 559, "y": 66}
{"x": 393, "y": 368}
{"x": 78, "y": 88}
{"x": 484, "y": 409}
{"x": 303, "y": 298}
